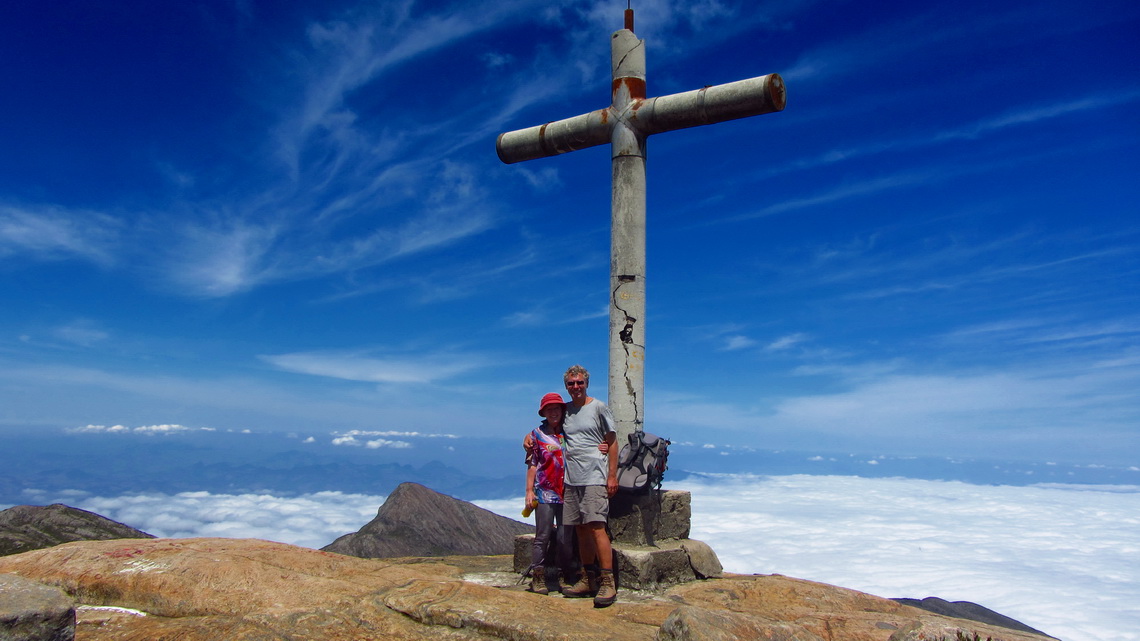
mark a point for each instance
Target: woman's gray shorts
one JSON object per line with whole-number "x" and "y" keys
{"x": 585, "y": 504}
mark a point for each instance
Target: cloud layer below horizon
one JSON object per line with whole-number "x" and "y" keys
{"x": 1061, "y": 558}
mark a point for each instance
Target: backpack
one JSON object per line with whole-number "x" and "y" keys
{"x": 642, "y": 463}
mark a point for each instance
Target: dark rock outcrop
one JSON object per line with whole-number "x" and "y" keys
{"x": 967, "y": 610}
{"x": 32, "y": 527}
{"x": 417, "y": 521}
{"x": 32, "y": 611}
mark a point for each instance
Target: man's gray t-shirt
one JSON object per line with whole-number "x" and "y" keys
{"x": 585, "y": 428}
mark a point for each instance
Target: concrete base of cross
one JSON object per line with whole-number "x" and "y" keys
{"x": 652, "y": 548}
{"x": 644, "y": 519}
{"x": 643, "y": 567}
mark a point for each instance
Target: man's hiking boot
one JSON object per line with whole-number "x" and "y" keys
{"x": 585, "y": 587}
{"x": 607, "y": 590}
{"x": 538, "y": 580}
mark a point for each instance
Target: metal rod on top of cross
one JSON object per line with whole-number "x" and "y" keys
{"x": 625, "y": 124}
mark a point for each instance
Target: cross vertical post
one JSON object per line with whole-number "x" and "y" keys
{"x": 627, "y": 237}
{"x": 626, "y": 124}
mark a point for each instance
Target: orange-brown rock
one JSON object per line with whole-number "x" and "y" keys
{"x": 250, "y": 590}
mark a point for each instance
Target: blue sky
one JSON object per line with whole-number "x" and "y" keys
{"x": 239, "y": 215}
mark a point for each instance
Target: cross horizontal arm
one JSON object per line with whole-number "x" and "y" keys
{"x": 558, "y": 137}
{"x": 740, "y": 99}
{"x": 709, "y": 105}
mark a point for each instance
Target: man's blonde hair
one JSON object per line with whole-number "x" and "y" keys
{"x": 577, "y": 370}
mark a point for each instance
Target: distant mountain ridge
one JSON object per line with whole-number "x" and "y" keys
{"x": 418, "y": 521}
{"x": 967, "y": 610}
{"x": 31, "y": 527}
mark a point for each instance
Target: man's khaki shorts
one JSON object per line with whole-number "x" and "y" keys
{"x": 585, "y": 504}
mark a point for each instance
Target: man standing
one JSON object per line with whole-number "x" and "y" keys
{"x": 591, "y": 479}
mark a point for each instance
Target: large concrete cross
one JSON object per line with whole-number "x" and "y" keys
{"x": 626, "y": 124}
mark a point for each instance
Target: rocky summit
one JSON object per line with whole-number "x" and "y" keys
{"x": 250, "y": 590}
{"x": 418, "y": 521}
{"x": 32, "y": 527}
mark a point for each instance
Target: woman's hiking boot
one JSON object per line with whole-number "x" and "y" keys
{"x": 538, "y": 580}
{"x": 607, "y": 590}
{"x": 587, "y": 585}
{"x": 564, "y": 580}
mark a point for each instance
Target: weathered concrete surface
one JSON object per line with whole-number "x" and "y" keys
{"x": 644, "y": 567}
{"x": 249, "y": 590}
{"x": 32, "y": 611}
{"x": 659, "y": 515}
{"x": 702, "y": 559}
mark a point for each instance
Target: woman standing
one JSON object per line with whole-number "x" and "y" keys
{"x": 544, "y": 477}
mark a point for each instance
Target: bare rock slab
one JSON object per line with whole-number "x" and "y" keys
{"x": 32, "y": 611}
{"x": 249, "y": 590}
{"x": 689, "y": 623}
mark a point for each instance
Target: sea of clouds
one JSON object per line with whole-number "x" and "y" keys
{"x": 1062, "y": 558}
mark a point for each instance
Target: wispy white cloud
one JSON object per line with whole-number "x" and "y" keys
{"x": 147, "y": 430}
{"x": 974, "y": 276}
{"x": 688, "y": 411}
{"x": 372, "y": 444}
{"x": 529, "y": 318}
{"x": 356, "y": 49}
{"x": 838, "y": 193}
{"x": 374, "y": 439}
{"x": 1045, "y": 330}
{"x": 786, "y": 342}
{"x": 357, "y": 192}
{"x": 361, "y": 367}
{"x": 936, "y": 28}
{"x": 1003, "y": 408}
{"x": 81, "y": 332}
{"x": 1040, "y": 113}
{"x": 1025, "y": 115}
{"x": 215, "y": 259}
{"x": 56, "y": 233}
{"x": 554, "y": 315}
{"x": 105, "y": 392}
{"x": 737, "y": 342}
{"x": 400, "y": 433}
{"x": 223, "y": 260}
